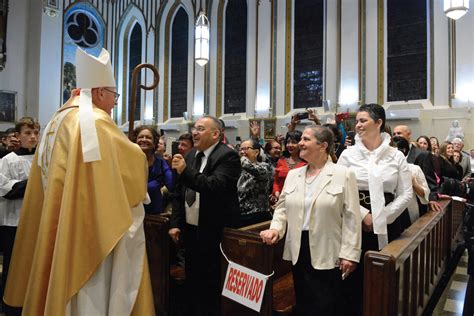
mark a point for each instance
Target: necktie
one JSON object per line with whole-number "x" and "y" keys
{"x": 190, "y": 193}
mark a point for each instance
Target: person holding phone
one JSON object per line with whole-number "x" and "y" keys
{"x": 319, "y": 211}
{"x": 253, "y": 186}
{"x": 159, "y": 172}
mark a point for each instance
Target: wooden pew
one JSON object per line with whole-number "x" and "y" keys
{"x": 400, "y": 279}
{"x": 244, "y": 246}
{"x": 158, "y": 248}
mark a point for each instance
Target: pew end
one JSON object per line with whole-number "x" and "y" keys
{"x": 244, "y": 246}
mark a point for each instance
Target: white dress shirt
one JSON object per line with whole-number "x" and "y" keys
{"x": 192, "y": 212}
{"x": 387, "y": 170}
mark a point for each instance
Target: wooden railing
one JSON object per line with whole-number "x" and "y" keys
{"x": 400, "y": 279}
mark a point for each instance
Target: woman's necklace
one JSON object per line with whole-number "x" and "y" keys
{"x": 312, "y": 174}
{"x": 310, "y": 178}
{"x": 290, "y": 164}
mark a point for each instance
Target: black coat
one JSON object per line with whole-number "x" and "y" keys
{"x": 217, "y": 186}
{"x": 424, "y": 159}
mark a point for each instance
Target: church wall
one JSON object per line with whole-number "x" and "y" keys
{"x": 14, "y": 76}
{"x": 355, "y": 43}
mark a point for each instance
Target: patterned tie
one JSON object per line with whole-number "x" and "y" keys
{"x": 190, "y": 193}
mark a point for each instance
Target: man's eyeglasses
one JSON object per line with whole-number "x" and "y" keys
{"x": 245, "y": 148}
{"x": 199, "y": 129}
{"x": 116, "y": 95}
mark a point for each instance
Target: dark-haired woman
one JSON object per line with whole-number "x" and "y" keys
{"x": 290, "y": 160}
{"x": 384, "y": 182}
{"x": 159, "y": 173}
{"x": 448, "y": 167}
{"x": 272, "y": 150}
{"x": 253, "y": 185}
{"x": 434, "y": 145}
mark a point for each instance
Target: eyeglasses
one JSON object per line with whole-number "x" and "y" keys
{"x": 116, "y": 95}
{"x": 245, "y": 148}
{"x": 276, "y": 148}
{"x": 199, "y": 129}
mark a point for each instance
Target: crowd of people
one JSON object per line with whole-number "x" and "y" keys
{"x": 330, "y": 196}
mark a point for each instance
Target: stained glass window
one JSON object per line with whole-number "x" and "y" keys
{"x": 83, "y": 28}
{"x": 406, "y": 50}
{"x": 179, "y": 64}
{"x": 235, "y": 73}
{"x": 308, "y": 53}
{"x": 135, "y": 58}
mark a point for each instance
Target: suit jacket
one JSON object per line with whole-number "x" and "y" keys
{"x": 425, "y": 159}
{"x": 465, "y": 164}
{"x": 217, "y": 185}
{"x": 335, "y": 223}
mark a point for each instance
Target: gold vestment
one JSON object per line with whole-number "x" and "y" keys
{"x": 67, "y": 229}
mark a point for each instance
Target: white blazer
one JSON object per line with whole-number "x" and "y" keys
{"x": 335, "y": 223}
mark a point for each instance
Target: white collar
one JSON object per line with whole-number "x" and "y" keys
{"x": 379, "y": 150}
{"x": 209, "y": 150}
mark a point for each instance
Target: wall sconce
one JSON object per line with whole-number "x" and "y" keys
{"x": 455, "y": 9}
{"x": 51, "y": 8}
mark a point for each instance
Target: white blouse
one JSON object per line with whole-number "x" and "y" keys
{"x": 413, "y": 209}
{"x": 383, "y": 170}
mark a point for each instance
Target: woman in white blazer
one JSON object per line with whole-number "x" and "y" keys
{"x": 319, "y": 211}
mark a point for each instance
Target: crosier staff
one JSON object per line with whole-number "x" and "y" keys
{"x": 133, "y": 104}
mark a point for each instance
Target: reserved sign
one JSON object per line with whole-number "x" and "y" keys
{"x": 244, "y": 286}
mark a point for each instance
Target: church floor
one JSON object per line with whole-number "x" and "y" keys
{"x": 452, "y": 300}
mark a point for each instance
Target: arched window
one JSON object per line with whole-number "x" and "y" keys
{"x": 134, "y": 59}
{"x": 308, "y": 53}
{"x": 407, "y": 64}
{"x": 83, "y": 27}
{"x": 179, "y": 64}
{"x": 235, "y": 73}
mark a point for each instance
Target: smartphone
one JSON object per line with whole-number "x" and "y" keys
{"x": 302, "y": 115}
{"x": 174, "y": 148}
{"x": 238, "y": 139}
{"x": 169, "y": 144}
{"x": 350, "y": 136}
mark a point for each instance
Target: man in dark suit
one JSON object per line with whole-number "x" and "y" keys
{"x": 423, "y": 159}
{"x": 206, "y": 202}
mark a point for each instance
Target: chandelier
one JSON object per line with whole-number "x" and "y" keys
{"x": 455, "y": 9}
{"x": 201, "y": 45}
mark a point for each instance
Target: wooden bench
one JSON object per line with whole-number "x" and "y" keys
{"x": 244, "y": 246}
{"x": 400, "y": 279}
{"x": 158, "y": 247}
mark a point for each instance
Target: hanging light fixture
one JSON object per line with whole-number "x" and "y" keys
{"x": 455, "y": 9}
{"x": 201, "y": 39}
